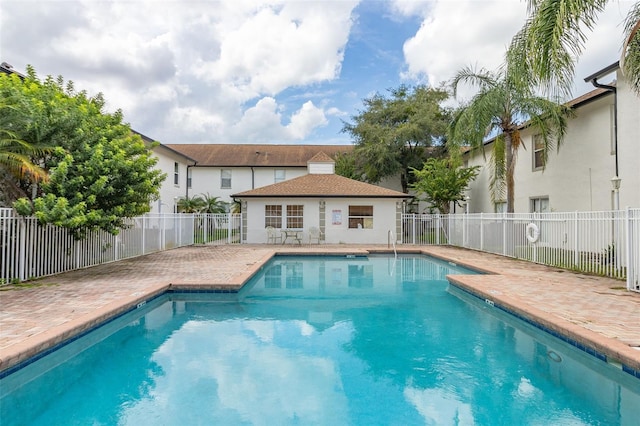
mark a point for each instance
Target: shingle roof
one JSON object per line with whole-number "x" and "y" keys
{"x": 322, "y": 185}
{"x": 227, "y": 155}
{"x": 321, "y": 157}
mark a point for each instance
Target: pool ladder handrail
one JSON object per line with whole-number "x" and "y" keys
{"x": 391, "y": 241}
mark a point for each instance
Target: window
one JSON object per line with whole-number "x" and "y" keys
{"x": 225, "y": 179}
{"x": 501, "y": 207}
{"x": 279, "y": 175}
{"x": 538, "y": 152}
{"x": 361, "y": 217}
{"x": 539, "y": 205}
{"x": 295, "y": 217}
{"x": 188, "y": 177}
{"x": 273, "y": 216}
{"x": 176, "y": 174}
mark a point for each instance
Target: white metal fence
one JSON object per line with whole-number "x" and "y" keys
{"x": 605, "y": 243}
{"x": 30, "y": 250}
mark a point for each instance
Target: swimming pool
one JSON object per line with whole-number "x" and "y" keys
{"x": 322, "y": 340}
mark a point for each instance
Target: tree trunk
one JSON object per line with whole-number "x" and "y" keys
{"x": 508, "y": 146}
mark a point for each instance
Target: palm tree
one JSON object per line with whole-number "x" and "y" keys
{"x": 193, "y": 204}
{"x": 15, "y": 153}
{"x": 213, "y": 204}
{"x": 547, "y": 47}
{"x": 501, "y": 107}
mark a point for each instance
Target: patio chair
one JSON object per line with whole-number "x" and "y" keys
{"x": 315, "y": 234}
{"x": 273, "y": 235}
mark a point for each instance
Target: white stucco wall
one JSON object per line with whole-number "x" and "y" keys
{"x": 207, "y": 179}
{"x": 169, "y": 192}
{"x": 578, "y": 177}
{"x": 384, "y": 219}
{"x": 628, "y": 144}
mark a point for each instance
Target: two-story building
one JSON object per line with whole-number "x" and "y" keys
{"x": 221, "y": 170}
{"x": 600, "y": 151}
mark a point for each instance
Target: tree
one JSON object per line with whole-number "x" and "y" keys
{"x": 195, "y": 204}
{"x": 213, "y": 204}
{"x": 443, "y": 181}
{"x": 501, "y": 107}
{"x": 346, "y": 165}
{"x": 546, "y": 48}
{"x": 100, "y": 173}
{"x": 17, "y": 157}
{"x": 392, "y": 134}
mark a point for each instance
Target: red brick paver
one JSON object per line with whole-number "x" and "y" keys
{"x": 592, "y": 310}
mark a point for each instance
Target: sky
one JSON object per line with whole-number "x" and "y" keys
{"x": 267, "y": 71}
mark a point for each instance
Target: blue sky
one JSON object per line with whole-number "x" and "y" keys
{"x": 266, "y": 71}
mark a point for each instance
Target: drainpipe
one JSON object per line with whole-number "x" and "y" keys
{"x": 187, "y": 185}
{"x": 253, "y": 177}
{"x": 594, "y": 81}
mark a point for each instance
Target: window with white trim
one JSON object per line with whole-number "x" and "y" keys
{"x": 295, "y": 217}
{"x": 538, "y": 152}
{"x": 279, "y": 175}
{"x": 273, "y": 216}
{"x": 225, "y": 179}
{"x": 539, "y": 205}
{"x": 188, "y": 177}
{"x": 176, "y": 173}
{"x": 361, "y": 217}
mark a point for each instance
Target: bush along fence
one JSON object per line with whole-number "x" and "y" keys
{"x": 603, "y": 243}
{"x": 30, "y": 250}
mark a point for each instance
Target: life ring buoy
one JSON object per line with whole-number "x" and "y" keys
{"x": 532, "y": 232}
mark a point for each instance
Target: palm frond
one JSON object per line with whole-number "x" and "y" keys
{"x": 552, "y": 39}
{"x": 630, "y": 61}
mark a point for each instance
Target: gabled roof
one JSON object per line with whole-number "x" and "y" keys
{"x": 322, "y": 186}
{"x": 321, "y": 157}
{"x": 253, "y": 155}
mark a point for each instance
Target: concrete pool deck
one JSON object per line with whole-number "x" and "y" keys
{"x": 594, "y": 311}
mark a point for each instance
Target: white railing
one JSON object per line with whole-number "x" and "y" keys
{"x": 604, "y": 243}
{"x": 30, "y": 250}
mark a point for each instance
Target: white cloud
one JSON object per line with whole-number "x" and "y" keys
{"x": 264, "y": 122}
{"x": 460, "y": 33}
{"x": 187, "y": 73}
{"x": 281, "y": 45}
{"x": 305, "y": 120}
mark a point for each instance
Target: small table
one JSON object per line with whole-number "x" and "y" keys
{"x": 294, "y": 234}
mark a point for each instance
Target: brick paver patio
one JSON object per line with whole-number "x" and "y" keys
{"x": 596, "y": 311}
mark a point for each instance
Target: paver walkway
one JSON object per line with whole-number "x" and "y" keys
{"x": 595, "y": 310}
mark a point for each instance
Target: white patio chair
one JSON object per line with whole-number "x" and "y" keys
{"x": 315, "y": 234}
{"x": 273, "y": 235}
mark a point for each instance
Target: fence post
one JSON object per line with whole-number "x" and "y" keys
{"x": 576, "y": 240}
{"x": 631, "y": 255}
{"x": 143, "y": 235}
{"x": 413, "y": 228}
{"x": 23, "y": 252}
{"x": 504, "y": 233}
{"x": 481, "y": 232}
{"x": 438, "y": 229}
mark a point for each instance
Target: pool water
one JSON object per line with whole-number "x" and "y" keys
{"x": 322, "y": 341}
